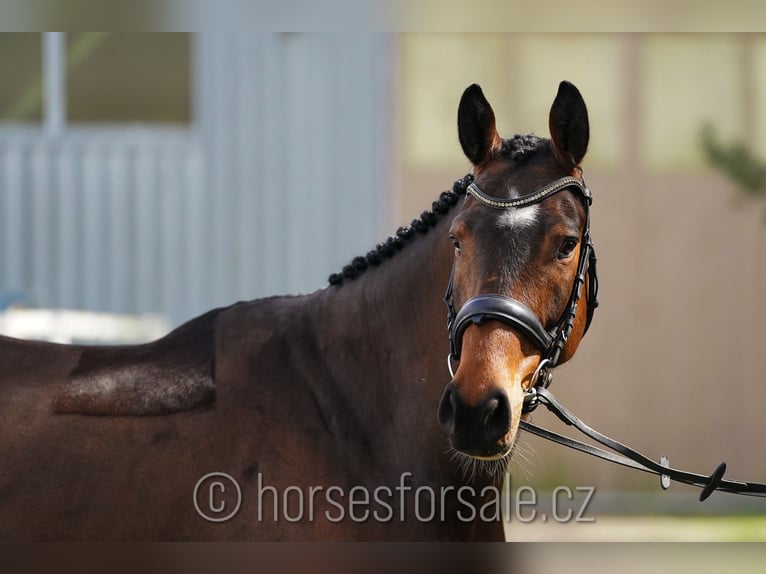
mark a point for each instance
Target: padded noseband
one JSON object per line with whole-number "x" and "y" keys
{"x": 499, "y": 308}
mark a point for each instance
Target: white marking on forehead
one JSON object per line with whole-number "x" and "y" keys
{"x": 519, "y": 216}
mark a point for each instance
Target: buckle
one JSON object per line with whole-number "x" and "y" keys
{"x": 531, "y": 400}
{"x": 542, "y": 376}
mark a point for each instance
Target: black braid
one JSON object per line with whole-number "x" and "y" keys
{"x": 403, "y": 235}
{"x": 521, "y": 147}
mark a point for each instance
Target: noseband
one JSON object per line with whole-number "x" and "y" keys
{"x": 496, "y": 307}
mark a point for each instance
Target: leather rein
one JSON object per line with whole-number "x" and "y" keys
{"x": 517, "y": 315}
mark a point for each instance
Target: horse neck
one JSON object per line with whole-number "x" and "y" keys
{"x": 383, "y": 336}
{"x": 396, "y": 311}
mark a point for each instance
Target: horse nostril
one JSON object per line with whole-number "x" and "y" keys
{"x": 478, "y": 430}
{"x": 447, "y": 409}
{"x": 496, "y": 416}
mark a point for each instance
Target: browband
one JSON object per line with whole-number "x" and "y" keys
{"x": 530, "y": 198}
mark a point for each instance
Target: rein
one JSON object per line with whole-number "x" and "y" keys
{"x": 626, "y": 456}
{"x": 496, "y": 307}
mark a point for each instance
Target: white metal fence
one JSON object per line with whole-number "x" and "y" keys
{"x": 103, "y": 222}
{"x": 281, "y": 178}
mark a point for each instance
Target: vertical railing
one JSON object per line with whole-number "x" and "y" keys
{"x": 278, "y": 182}
{"x": 98, "y": 222}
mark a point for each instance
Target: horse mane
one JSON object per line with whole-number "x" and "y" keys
{"x": 519, "y": 148}
{"x": 405, "y": 234}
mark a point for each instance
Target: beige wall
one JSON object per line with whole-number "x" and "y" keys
{"x": 675, "y": 359}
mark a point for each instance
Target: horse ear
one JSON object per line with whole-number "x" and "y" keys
{"x": 476, "y": 126}
{"x": 568, "y": 124}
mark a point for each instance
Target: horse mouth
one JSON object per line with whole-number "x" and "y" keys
{"x": 491, "y": 458}
{"x": 477, "y": 449}
{"x": 502, "y": 450}
{"x": 472, "y": 466}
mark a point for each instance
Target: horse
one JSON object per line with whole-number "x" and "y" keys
{"x": 330, "y": 415}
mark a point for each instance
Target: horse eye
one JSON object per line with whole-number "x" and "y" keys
{"x": 567, "y": 247}
{"x": 455, "y": 242}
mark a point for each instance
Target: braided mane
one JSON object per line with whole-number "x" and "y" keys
{"x": 404, "y": 234}
{"x": 518, "y": 148}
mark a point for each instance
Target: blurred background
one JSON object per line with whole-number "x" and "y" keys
{"x": 147, "y": 177}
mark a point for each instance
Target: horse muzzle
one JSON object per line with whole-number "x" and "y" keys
{"x": 480, "y": 431}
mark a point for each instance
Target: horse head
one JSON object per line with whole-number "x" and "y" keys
{"x": 523, "y": 256}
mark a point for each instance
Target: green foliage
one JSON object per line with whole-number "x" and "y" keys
{"x": 736, "y": 161}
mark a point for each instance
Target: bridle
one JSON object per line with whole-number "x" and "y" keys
{"x": 496, "y": 307}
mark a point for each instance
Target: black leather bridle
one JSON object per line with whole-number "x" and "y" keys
{"x": 551, "y": 341}
{"x": 495, "y": 307}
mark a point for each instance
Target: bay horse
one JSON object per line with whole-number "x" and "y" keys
{"x": 339, "y": 399}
